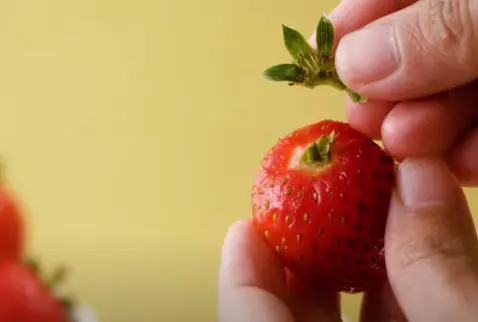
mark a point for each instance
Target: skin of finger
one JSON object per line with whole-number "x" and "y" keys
{"x": 453, "y": 123}
{"x": 368, "y": 117}
{"x": 380, "y": 305}
{"x": 310, "y": 304}
{"x": 351, "y": 15}
{"x": 431, "y": 248}
{"x": 434, "y": 38}
{"x": 462, "y": 158}
{"x": 425, "y": 127}
{"x": 317, "y": 308}
{"x": 425, "y": 281}
{"x": 252, "y": 284}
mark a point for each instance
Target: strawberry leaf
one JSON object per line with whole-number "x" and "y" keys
{"x": 311, "y": 68}
{"x": 285, "y": 73}
{"x": 297, "y": 45}
{"x": 355, "y": 97}
{"x": 325, "y": 36}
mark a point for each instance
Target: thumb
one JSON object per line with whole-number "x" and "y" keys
{"x": 426, "y": 48}
{"x": 431, "y": 245}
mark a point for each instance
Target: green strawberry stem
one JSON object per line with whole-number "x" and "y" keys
{"x": 311, "y": 67}
{"x": 318, "y": 153}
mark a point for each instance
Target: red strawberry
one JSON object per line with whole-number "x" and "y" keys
{"x": 321, "y": 200}
{"x": 24, "y": 298}
{"x": 11, "y": 228}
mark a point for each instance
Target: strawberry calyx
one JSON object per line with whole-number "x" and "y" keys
{"x": 318, "y": 152}
{"x": 53, "y": 281}
{"x": 311, "y": 67}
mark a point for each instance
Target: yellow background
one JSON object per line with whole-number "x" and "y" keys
{"x": 132, "y": 129}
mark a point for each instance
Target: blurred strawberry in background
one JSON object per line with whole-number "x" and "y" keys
{"x": 27, "y": 292}
{"x": 25, "y": 298}
{"x": 11, "y": 228}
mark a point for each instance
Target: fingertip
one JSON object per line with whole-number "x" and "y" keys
{"x": 350, "y": 15}
{"x": 240, "y": 237}
{"x": 393, "y": 138}
{"x": 251, "y": 280}
{"x": 462, "y": 159}
{"x": 247, "y": 261}
{"x": 424, "y": 127}
{"x": 401, "y": 57}
{"x": 345, "y": 73}
{"x": 368, "y": 117}
{"x": 236, "y": 236}
{"x": 236, "y": 232}
{"x": 312, "y": 40}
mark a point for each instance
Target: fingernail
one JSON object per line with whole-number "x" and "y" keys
{"x": 367, "y": 55}
{"x": 423, "y": 182}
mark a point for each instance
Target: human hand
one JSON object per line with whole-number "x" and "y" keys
{"x": 417, "y": 63}
{"x": 431, "y": 252}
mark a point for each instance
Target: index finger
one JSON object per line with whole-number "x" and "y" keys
{"x": 351, "y": 15}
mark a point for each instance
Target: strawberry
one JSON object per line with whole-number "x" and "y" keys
{"x": 11, "y": 228}
{"x": 321, "y": 200}
{"x": 24, "y": 298}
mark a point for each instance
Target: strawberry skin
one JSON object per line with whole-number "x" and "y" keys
{"x": 24, "y": 298}
{"x": 321, "y": 200}
{"x": 11, "y": 228}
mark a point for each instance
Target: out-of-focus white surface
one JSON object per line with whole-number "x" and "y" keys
{"x": 81, "y": 313}
{"x": 84, "y": 314}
